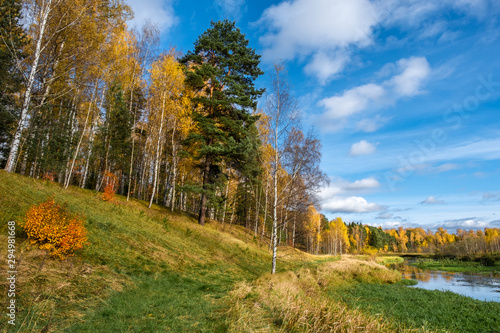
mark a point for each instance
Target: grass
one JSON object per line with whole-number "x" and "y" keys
{"x": 388, "y": 259}
{"x": 454, "y": 265}
{"x": 298, "y": 302}
{"x": 145, "y": 269}
{"x": 418, "y": 308}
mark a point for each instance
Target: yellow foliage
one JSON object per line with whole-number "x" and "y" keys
{"x": 54, "y": 229}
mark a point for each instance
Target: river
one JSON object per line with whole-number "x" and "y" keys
{"x": 482, "y": 287}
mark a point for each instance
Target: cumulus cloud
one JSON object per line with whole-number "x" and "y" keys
{"x": 350, "y": 205}
{"x": 325, "y": 66}
{"x": 332, "y": 200}
{"x": 432, "y": 201}
{"x": 408, "y": 78}
{"x": 341, "y": 186}
{"x": 465, "y": 223}
{"x": 413, "y": 72}
{"x": 318, "y": 30}
{"x": 323, "y": 33}
{"x": 352, "y": 101}
{"x": 362, "y": 147}
{"x": 158, "y": 12}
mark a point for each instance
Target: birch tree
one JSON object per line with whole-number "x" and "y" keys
{"x": 283, "y": 112}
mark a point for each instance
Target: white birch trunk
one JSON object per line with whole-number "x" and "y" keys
{"x": 44, "y": 14}
{"x": 157, "y": 162}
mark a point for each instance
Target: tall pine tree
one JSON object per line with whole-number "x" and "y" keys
{"x": 222, "y": 69}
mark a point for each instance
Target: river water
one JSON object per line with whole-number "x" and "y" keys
{"x": 481, "y": 287}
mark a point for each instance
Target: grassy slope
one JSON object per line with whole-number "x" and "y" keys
{"x": 145, "y": 269}
{"x": 149, "y": 270}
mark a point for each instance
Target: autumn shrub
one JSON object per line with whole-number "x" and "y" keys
{"x": 109, "y": 189}
{"x": 50, "y": 176}
{"x": 54, "y": 229}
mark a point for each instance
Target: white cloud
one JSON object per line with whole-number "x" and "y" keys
{"x": 432, "y": 201}
{"x": 324, "y": 66}
{"x": 362, "y": 147}
{"x": 352, "y": 101}
{"x": 349, "y": 205}
{"x": 363, "y": 184}
{"x": 413, "y": 13}
{"x": 341, "y": 186}
{"x": 466, "y": 223}
{"x": 409, "y": 75}
{"x": 231, "y": 9}
{"x": 414, "y": 71}
{"x": 158, "y": 12}
{"x": 317, "y": 28}
{"x": 386, "y": 224}
{"x": 332, "y": 202}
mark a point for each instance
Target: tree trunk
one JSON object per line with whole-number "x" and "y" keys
{"x": 174, "y": 166}
{"x": 68, "y": 178}
{"x": 14, "y": 147}
{"x": 157, "y": 161}
{"x": 203, "y": 201}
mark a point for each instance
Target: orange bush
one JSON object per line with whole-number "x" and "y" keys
{"x": 109, "y": 189}
{"x": 54, "y": 229}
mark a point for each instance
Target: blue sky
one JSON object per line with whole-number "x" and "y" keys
{"x": 405, "y": 97}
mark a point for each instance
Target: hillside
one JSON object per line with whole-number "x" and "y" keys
{"x": 144, "y": 269}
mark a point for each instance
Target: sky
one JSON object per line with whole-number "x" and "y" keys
{"x": 404, "y": 95}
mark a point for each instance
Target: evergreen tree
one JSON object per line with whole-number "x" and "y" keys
{"x": 221, "y": 69}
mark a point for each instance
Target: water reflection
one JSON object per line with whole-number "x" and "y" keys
{"x": 481, "y": 287}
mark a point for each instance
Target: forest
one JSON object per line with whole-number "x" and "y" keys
{"x": 88, "y": 102}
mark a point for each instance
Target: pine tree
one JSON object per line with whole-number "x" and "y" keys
{"x": 221, "y": 69}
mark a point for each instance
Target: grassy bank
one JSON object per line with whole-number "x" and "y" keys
{"x": 144, "y": 269}
{"x": 418, "y": 308}
{"x": 298, "y": 301}
{"x": 455, "y": 265}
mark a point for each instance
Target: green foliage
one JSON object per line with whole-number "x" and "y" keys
{"x": 222, "y": 69}
{"x": 119, "y": 127}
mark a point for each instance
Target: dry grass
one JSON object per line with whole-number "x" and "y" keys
{"x": 42, "y": 283}
{"x": 297, "y": 302}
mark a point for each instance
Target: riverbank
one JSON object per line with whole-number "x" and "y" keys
{"x": 427, "y": 310}
{"x": 455, "y": 265}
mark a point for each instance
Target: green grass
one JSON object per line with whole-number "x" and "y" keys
{"x": 419, "y": 308}
{"x": 144, "y": 269}
{"x": 389, "y": 259}
{"x": 454, "y": 265}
